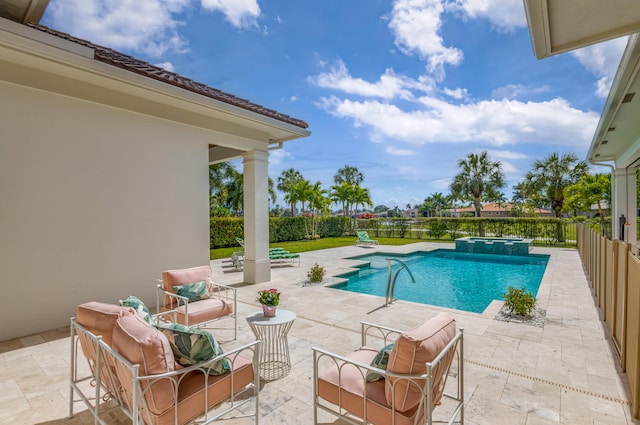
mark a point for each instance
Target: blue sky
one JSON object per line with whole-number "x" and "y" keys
{"x": 399, "y": 89}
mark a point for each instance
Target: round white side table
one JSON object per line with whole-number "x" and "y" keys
{"x": 274, "y": 359}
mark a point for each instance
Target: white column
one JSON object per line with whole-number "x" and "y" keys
{"x": 257, "y": 266}
{"x": 625, "y": 202}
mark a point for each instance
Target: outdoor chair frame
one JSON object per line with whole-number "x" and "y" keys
{"x": 424, "y": 382}
{"x": 102, "y": 389}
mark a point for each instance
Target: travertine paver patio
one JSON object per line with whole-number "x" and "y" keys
{"x": 515, "y": 374}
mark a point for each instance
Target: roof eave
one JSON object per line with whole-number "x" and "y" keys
{"x": 627, "y": 71}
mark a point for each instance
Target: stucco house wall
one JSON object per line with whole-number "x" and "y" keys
{"x": 94, "y": 203}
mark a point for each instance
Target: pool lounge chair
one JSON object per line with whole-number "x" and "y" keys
{"x": 241, "y": 243}
{"x": 282, "y": 256}
{"x": 363, "y": 239}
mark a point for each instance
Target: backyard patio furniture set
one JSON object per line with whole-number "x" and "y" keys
{"x": 165, "y": 369}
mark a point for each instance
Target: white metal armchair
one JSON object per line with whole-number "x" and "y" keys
{"x": 407, "y": 391}
{"x": 216, "y": 302}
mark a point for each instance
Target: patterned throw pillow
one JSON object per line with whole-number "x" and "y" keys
{"x": 194, "y": 291}
{"x": 136, "y": 303}
{"x": 191, "y": 346}
{"x": 380, "y": 361}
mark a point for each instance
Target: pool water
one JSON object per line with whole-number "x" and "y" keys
{"x": 447, "y": 278}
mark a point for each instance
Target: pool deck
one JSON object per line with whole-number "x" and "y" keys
{"x": 515, "y": 374}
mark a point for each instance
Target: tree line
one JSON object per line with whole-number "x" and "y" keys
{"x": 559, "y": 182}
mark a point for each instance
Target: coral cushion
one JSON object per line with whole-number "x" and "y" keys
{"x": 410, "y": 354}
{"x": 171, "y": 278}
{"x": 142, "y": 344}
{"x": 100, "y": 318}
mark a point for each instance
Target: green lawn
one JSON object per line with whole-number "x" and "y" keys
{"x": 324, "y": 243}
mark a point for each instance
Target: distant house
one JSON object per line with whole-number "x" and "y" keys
{"x": 104, "y": 165}
{"x": 410, "y": 213}
{"x": 498, "y": 210}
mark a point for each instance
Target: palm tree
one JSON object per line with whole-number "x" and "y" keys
{"x": 348, "y": 174}
{"x": 549, "y": 178}
{"x": 341, "y": 193}
{"x": 477, "y": 175}
{"x": 360, "y": 196}
{"x": 219, "y": 176}
{"x": 286, "y": 182}
{"x": 318, "y": 203}
{"x": 302, "y": 192}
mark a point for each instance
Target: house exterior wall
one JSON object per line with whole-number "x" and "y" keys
{"x": 95, "y": 202}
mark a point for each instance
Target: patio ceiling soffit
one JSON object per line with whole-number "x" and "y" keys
{"x": 617, "y": 137}
{"x": 23, "y": 11}
{"x": 558, "y": 26}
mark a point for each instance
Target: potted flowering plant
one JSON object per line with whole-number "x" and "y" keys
{"x": 269, "y": 298}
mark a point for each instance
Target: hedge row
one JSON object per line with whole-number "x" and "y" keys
{"x": 559, "y": 231}
{"x": 542, "y": 230}
{"x": 224, "y": 231}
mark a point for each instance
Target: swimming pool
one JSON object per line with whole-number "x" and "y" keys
{"x": 447, "y": 278}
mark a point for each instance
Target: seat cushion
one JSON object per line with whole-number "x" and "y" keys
{"x": 142, "y": 344}
{"x": 191, "y": 391}
{"x": 100, "y": 318}
{"x": 410, "y": 354}
{"x": 347, "y": 385}
{"x": 204, "y": 310}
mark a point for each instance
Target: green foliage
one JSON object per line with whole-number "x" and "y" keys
{"x": 219, "y": 211}
{"x": 269, "y": 297}
{"x": 316, "y": 273}
{"x": 437, "y": 228}
{"x": 519, "y": 301}
{"x": 286, "y": 229}
{"x": 332, "y": 226}
{"x": 224, "y": 231}
{"x": 401, "y": 226}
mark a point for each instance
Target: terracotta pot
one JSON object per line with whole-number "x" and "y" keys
{"x": 269, "y": 311}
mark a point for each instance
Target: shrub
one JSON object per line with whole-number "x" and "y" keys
{"x": 316, "y": 273}
{"x": 519, "y": 301}
{"x": 437, "y": 228}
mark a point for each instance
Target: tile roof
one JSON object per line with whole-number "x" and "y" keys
{"x": 129, "y": 63}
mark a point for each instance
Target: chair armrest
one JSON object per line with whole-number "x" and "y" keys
{"x": 220, "y": 289}
{"x": 203, "y": 366}
{"x": 384, "y": 332}
{"x": 162, "y": 297}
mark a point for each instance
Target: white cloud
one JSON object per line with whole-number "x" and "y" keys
{"x": 514, "y": 91}
{"x": 502, "y": 154}
{"x": 504, "y": 15}
{"x": 494, "y": 122}
{"x": 240, "y": 13}
{"x": 146, "y": 26}
{"x": 602, "y": 60}
{"x": 388, "y": 86}
{"x": 293, "y": 99}
{"x": 456, "y": 93}
{"x": 167, "y": 66}
{"x": 277, "y": 157}
{"x": 416, "y": 26}
{"x": 399, "y": 152}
